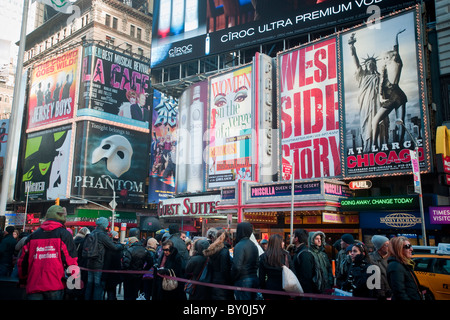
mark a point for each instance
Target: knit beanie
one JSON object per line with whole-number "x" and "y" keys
{"x": 57, "y": 213}
{"x": 378, "y": 241}
{"x": 102, "y": 223}
{"x": 152, "y": 243}
{"x": 348, "y": 238}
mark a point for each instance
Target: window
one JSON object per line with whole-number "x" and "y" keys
{"x": 140, "y": 52}
{"x": 132, "y": 30}
{"x": 422, "y": 264}
{"x": 139, "y": 33}
{"x": 108, "y": 20}
{"x": 442, "y": 266}
{"x": 115, "y": 23}
{"x": 109, "y": 40}
{"x": 129, "y": 47}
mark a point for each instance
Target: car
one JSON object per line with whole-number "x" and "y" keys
{"x": 432, "y": 268}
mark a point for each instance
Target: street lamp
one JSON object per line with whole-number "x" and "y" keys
{"x": 422, "y": 216}
{"x": 113, "y": 202}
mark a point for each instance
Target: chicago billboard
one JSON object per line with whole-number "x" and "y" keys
{"x": 53, "y": 89}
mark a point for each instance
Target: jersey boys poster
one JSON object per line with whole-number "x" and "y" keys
{"x": 52, "y": 92}
{"x": 115, "y": 86}
{"x": 382, "y": 86}
{"x": 308, "y": 89}
{"x": 230, "y": 128}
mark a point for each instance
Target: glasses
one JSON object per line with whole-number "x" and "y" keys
{"x": 168, "y": 250}
{"x": 407, "y": 246}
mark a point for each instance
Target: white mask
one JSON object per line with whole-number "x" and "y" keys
{"x": 117, "y": 151}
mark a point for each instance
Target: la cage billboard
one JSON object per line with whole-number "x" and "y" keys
{"x": 53, "y": 89}
{"x": 192, "y": 29}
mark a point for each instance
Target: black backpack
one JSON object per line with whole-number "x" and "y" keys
{"x": 90, "y": 247}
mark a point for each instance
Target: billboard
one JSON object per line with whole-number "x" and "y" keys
{"x": 45, "y": 171}
{"x": 53, "y": 90}
{"x": 4, "y": 131}
{"x": 192, "y": 29}
{"x": 309, "y": 107}
{"x": 163, "y": 147}
{"x": 107, "y": 158}
{"x": 230, "y": 124}
{"x": 190, "y": 145}
{"x": 114, "y": 86}
{"x": 381, "y": 85}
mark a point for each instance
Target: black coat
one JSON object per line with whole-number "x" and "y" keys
{"x": 304, "y": 268}
{"x": 271, "y": 277}
{"x": 173, "y": 262}
{"x": 245, "y": 254}
{"x": 402, "y": 280}
{"x": 357, "y": 278}
{"x": 7, "y": 248}
{"x": 194, "y": 269}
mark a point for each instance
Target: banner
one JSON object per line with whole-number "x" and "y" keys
{"x": 115, "y": 86}
{"x": 109, "y": 158}
{"x": 163, "y": 147}
{"x": 46, "y": 164}
{"x": 230, "y": 124}
{"x": 308, "y": 89}
{"x": 380, "y": 70}
{"x": 4, "y": 131}
{"x": 52, "y": 92}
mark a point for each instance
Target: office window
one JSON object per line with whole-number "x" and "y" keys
{"x": 139, "y": 33}
{"x": 132, "y": 30}
{"x": 115, "y": 23}
{"x": 108, "y": 20}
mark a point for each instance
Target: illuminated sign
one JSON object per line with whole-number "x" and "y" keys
{"x": 388, "y": 203}
{"x": 198, "y": 206}
{"x": 361, "y": 184}
{"x": 400, "y": 220}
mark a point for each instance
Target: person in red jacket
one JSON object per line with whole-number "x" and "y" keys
{"x": 45, "y": 256}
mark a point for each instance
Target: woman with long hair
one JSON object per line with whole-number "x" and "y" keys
{"x": 400, "y": 271}
{"x": 271, "y": 267}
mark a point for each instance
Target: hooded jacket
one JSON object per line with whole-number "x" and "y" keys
{"x": 194, "y": 269}
{"x": 45, "y": 255}
{"x": 323, "y": 274}
{"x": 245, "y": 254}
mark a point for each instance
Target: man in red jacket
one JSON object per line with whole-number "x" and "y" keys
{"x": 45, "y": 255}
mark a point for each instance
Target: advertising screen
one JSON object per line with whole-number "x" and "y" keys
{"x": 114, "y": 86}
{"x": 191, "y": 29}
{"x": 46, "y": 164}
{"x": 53, "y": 88}
{"x": 308, "y": 87}
{"x": 382, "y": 86}
{"x": 163, "y": 161}
{"x": 230, "y": 123}
{"x": 109, "y": 158}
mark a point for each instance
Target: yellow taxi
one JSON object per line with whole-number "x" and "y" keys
{"x": 432, "y": 268}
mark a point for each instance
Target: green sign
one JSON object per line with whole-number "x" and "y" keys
{"x": 384, "y": 203}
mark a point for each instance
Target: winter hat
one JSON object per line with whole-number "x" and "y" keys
{"x": 114, "y": 234}
{"x": 378, "y": 241}
{"x": 57, "y": 213}
{"x": 9, "y": 229}
{"x": 152, "y": 243}
{"x": 102, "y": 223}
{"x": 348, "y": 238}
{"x": 132, "y": 240}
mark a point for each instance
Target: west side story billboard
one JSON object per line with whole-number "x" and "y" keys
{"x": 114, "y": 86}
{"x": 341, "y": 98}
{"x": 190, "y": 29}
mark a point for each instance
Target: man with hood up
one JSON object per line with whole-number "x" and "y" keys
{"x": 46, "y": 254}
{"x": 323, "y": 277}
{"x": 245, "y": 262}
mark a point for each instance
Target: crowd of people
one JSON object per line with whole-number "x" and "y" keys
{"x": 40, "y": 261}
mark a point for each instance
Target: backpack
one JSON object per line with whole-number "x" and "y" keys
{"x": 90, "y": 247}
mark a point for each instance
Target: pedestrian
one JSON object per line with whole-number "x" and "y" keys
{"x": 245, "y": 262}
{"x": 271, "y": 264}
{"x": 78, "y": 294}
{"x": 400, "y": 271}
{"x": 343, "y": 260}
{"x": 95, "y": 263}
{"x": 379, "y": 258}
{"x": 7, "y": 248}
{"x": 17, "y": 249}
{"x": 170, "y": 260}
{"x": 179, "y": 243}
{"x": 357, "y": 274}
{"x": 135, "y": 258}
{"x": 323, "y": 277}
{"x": 46, "y": 254}
{"x": 194, "y": 268}
{"x": 303, "y": 261}
{"x": 220, "y": 265}
{"x": 113, "y": 261}
{"x": 211, "y": 234}
{"x": 264, "y": 243}
{"x": 152, "y": 245}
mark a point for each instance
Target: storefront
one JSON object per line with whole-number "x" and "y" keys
{"x": 315, "y": 205}
{"x": 195, "y": 214}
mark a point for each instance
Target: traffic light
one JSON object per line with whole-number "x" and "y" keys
{"x": 57, "y": 201}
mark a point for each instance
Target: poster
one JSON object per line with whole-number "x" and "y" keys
{"x": 46, "y": 164}
{"x": 163, "y": 147}
{"x": 230, "y": 123}
{"x": 309, "y": 118}
{"x": 381, "y": 85}
{"x": 115, "y": 87}
{"x": 52, "y": 92}
{"x": 109, "y": 158}
{"x": 4, "y": 131}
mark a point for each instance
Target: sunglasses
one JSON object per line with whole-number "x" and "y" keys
{"x": 168, "y": 250}
{"x": 407, "y": 246}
